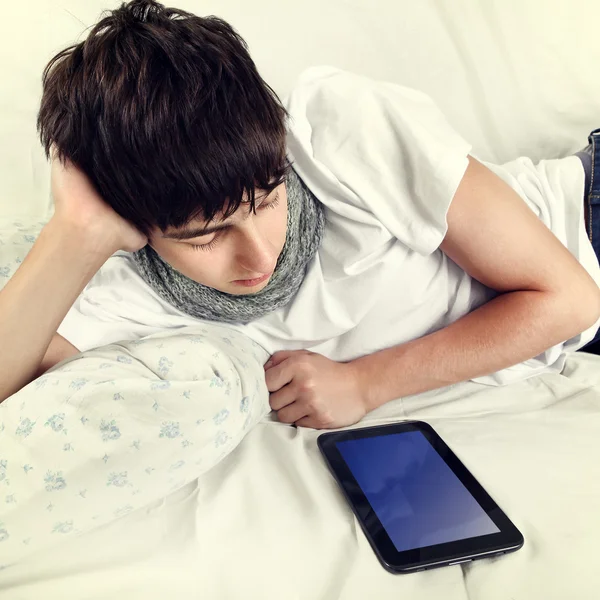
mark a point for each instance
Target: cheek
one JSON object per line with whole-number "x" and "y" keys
{"x": 199, "y": 265}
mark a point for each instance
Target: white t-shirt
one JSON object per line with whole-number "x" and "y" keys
{"x": 386, "y": 165}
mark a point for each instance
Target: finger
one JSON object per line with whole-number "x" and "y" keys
{"x": 279, "y": 357}
{"x": 280, "y": 375}
{"x": 286, "y": 395}
{"x": 306, "y": 422}
{"x": 292, "y": 413}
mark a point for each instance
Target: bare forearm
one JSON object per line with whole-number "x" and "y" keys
{"x": 36, "y": 299}
{"x": 510, "y": 329}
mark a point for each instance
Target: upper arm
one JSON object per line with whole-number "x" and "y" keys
{"x": 58, "y": 350}
{"x": 497, "y": 239}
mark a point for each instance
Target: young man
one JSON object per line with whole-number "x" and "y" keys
{"x": 386, "y": 262}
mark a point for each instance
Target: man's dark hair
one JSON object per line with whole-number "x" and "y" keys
{"x": 166, "y": 113}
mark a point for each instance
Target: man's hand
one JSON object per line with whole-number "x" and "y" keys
{"x": 310, "y": 390}
{"x": 80, "y": 208}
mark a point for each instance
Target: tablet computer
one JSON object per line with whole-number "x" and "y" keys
{"x": 418, "y": 505}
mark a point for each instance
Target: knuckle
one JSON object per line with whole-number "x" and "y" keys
{"x": 311, "y": 401}
{"x": 308, "y": 389}
{"x": 303, "y": 363}
{"x": 321, "y": 417}
{"x": 283, "y": 416}
{"x": 326, "y": 420}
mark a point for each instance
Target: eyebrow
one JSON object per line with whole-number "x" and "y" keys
{"x": 187, "y": 234}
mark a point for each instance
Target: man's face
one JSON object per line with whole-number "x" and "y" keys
{"x": 244, "y": 247}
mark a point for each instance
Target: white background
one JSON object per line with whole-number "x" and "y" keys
{"x": 515, "y": 77}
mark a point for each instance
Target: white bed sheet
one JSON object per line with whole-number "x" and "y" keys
{"x": 269, "y": 522}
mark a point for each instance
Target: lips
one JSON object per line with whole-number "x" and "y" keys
{"x": 252, "y": 282}
{"x": 251, "y": 278}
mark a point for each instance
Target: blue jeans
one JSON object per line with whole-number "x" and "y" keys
{"x": 592, "y": 199}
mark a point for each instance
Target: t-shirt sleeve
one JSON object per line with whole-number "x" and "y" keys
{"x": 117, "y": 305}
{"x": 389, "y": 147}
{"x": 87, "y": 329}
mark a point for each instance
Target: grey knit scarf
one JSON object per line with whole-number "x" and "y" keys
{"x": 305, "y": 224}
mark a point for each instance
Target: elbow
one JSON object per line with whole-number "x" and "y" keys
{"x": 595, "y": 308}
{"x": 571, "y": 310}
{"x": 585, "y": 306}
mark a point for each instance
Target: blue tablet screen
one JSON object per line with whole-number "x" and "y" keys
{"x": 416, "y": 496}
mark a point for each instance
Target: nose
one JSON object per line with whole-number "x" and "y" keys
{"x": 255, "y": 253}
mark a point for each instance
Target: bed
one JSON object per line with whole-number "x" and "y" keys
{"x": 248, "y": 509}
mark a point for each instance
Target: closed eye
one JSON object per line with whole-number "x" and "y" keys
{"x": 210, "y": 245}
{"x": 271, "y": 204}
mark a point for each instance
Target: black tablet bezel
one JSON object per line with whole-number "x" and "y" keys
{"x": 508, "y": 539}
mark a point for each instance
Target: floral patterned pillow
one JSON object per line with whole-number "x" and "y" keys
{"x": 16, "y": 239}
